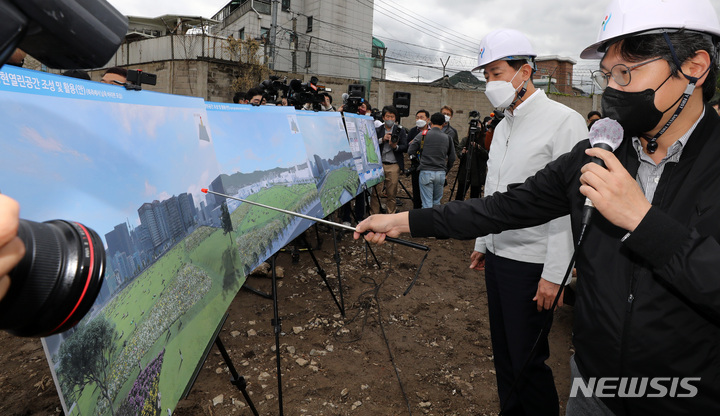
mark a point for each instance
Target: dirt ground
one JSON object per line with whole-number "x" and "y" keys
{"x": 427, "y": 353}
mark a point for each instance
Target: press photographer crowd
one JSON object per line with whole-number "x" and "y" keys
{"x": 621, "y": 202}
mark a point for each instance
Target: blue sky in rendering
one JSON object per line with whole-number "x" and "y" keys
{"x": 97, "y": 159}
{"x": 328, "y": 136}
{"x": 250, "y": 138}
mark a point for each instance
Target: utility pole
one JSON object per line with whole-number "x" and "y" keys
{"x": 444, "y": 64}
{"x": 295, "y": 44}
{"x": 273, "y": 33}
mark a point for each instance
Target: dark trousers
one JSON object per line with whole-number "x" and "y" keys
{"x": 514, "y": 326}
{"x": 346, "y": 210}
{"x": 417, "y": 201}
{"x": 462, "y": 186}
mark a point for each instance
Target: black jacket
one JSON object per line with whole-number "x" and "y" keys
{"x": 648, "y": 306}
{"x": 478, "y": 165}
{"x": 402, "y": 143}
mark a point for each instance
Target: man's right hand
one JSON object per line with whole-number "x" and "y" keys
{"x": 387, "y": 137}
{"x": 378, "y": 226}
{"x": 477, "y": 260}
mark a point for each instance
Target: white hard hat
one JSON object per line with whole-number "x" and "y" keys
{"x": 504, "y": 44}
{"x": 624, "y": 18}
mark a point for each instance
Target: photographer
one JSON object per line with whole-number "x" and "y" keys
{"x": 115, "y": 76}
{"x": 11, "y": 248}
{"x": 438, "y": 155}
{"x": 254, "y": 96}
{"x": 472, "y": 152}
{"x": 326, "y": 105}
{"x": 393, "y": 145}
{"x": 422, "y": 123}
{"x": 448, "y": 112}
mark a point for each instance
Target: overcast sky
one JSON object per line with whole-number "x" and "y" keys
{"x": 447, "y": 28}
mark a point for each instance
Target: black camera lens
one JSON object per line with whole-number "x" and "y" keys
{"x": 56, "y": 282}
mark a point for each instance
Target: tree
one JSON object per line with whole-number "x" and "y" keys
{"x": 246, "y": 52}
{"x": 85, "y": 358}
{"x": 226, "y": 220}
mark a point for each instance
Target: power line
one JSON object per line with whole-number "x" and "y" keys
{"x": 465, "y": 45}
{"x": 430, "y": 22}
{"x": 389, "y": 13}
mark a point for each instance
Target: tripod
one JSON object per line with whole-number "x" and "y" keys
{"x": 473, "y": 146}
{"x": 235, "y": 379}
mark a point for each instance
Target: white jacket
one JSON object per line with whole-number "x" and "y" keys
{"x": 537, "y": 132}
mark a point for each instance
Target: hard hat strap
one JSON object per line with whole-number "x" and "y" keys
{"x": 652, "y": 142}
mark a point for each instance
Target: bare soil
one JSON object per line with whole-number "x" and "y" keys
{"x": 427, "y": 353}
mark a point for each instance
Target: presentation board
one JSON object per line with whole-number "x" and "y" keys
{"x": 365, "y": 147}
{"x": 330, "y": 158}
{"x": 131, "y": 166}
{"x": 262, "y": 159}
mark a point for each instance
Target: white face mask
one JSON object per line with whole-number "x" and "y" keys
{"x": 447, "y": 118}
{"x": 389, "y": 123}
{"x": 501, "y": 93}
{"x": 420, "y": 123}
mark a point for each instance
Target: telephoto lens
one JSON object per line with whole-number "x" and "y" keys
{"x": 56, "y": 282}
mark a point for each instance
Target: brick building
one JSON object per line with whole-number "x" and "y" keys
{"x": 556, "y": 70}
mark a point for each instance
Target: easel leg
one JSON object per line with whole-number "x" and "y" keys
{"x": 256, "y": 291}
{"x": 409, "y": 195}
{"x": 323, "y": 275}
{"x": 236, "y": 379}
{"x": 277, "y": 327}
{"x": 336, "y": 257}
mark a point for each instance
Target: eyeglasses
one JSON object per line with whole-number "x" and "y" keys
{"x": 620, "y": 73}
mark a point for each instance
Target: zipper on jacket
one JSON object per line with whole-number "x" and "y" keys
{"x": 630, "y": 300}
{"x": 502, "y": 162}
{"x": 626, "y": 324}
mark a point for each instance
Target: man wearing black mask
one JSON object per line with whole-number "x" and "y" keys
{"x": 647, "y": 313}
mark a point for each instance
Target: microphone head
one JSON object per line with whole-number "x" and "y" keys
{"x": 345, "y": 97}
{"x": 606, "y": 131}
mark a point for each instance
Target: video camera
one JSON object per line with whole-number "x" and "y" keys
{"x": 136, "y": 77}
{"x": 354, "y": 98}
{"x": 275, "y": 88}
{"x": 476, "y": 126}
{"x": 301, "y": 93}
{"x": 58, "y": 279}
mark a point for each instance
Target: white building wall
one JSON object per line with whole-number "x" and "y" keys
{"x": 341, "y": 32}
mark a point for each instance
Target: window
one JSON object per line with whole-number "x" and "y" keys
{"x": 286, "y": 5}
{"x": 377, "y": 52}
{"x": 308, "y": 59}
{"x": 241, "y": 34}
{"x": 309, "y": 24}
{"x": 264, "y": 34}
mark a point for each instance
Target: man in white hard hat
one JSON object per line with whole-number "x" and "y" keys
{"x": 647, "y": 315}
{"x": 523, "y": 268}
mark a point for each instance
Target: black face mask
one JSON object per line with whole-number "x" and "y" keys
{"x": 635, "y": 111}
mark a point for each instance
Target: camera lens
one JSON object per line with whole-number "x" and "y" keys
{"x": 57, "y": 281}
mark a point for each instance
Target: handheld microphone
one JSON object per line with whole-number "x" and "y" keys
{"x": 606, "y": 134}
